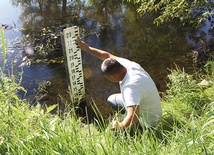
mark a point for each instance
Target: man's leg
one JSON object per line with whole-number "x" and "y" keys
{"x": 117, "y": 103}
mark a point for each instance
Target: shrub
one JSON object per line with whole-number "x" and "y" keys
{"x": 186, "y": 88}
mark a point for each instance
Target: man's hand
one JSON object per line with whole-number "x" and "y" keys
{"x": 100, "y": 54}
{"x": 130, "y": 119}
{"x": 82, "y": 44}
{"x": 116, "y": 125}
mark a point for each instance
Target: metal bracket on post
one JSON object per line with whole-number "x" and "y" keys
{"x": 73, "y": 61}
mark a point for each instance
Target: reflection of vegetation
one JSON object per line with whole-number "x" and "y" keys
{"x": 43, "y": 22}
{"x": 114, "y": 25}
{"x": 37, "y": 13}
{"x": 42, "y": 92}
{"x": 155, "y": 47}
{"x": 106, "y": 11}
{"x": 46, "y": 19}
{"x": 46, "y": 43}
{"x": 43, "y": 86}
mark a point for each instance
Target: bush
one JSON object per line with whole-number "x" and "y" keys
{"x": 192, "y": 91}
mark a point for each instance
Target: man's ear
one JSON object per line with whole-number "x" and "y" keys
{"x": 113, "y": 75}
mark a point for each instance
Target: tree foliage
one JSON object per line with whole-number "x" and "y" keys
{"x": 186, "y": 11}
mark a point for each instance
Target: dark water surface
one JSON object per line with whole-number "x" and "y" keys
{"x": 113, "y": 27}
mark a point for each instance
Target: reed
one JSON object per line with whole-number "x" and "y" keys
{"x": 3, "y": 47}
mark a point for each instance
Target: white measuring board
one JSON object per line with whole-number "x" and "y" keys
{"x": 74, "y": 64}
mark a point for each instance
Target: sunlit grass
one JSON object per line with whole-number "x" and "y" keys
{"x": 25, "y": 130}
{"x": 3, "y": 48}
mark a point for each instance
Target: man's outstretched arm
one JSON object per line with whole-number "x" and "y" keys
{"x": 100, "y": 54}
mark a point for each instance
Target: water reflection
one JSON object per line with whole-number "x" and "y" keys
{"x": 109, "y": 25}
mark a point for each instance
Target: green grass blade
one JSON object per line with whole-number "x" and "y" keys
{"x": 3, "y": 48}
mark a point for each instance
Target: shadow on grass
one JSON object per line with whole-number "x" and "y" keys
{"x": 167, "y": 128}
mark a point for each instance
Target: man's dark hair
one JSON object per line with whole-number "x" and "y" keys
{"x": 111, "y": 66}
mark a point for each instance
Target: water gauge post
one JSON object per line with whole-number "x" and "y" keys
{"x": 73, "y": 60}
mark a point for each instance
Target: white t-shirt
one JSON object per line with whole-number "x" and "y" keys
{"x": 138, "y": 88}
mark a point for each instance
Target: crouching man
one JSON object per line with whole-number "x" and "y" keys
{"x": 139, "y": 97}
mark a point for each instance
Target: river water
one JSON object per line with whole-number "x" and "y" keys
{"x": 115, "y": 28}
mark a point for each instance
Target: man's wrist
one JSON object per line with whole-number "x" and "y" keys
{"x": 120, "y": 125}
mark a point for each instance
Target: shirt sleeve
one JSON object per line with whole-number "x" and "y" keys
{"x": 131, "y": 95}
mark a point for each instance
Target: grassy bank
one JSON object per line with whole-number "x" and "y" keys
{"x": 186, "y": 128}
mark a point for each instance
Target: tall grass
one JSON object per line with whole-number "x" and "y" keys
{"x": 186, "y": 128}
{"x": 25, "y": 131}
{"x": 183, "y": 130}
{"x": 3, "y": 48}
